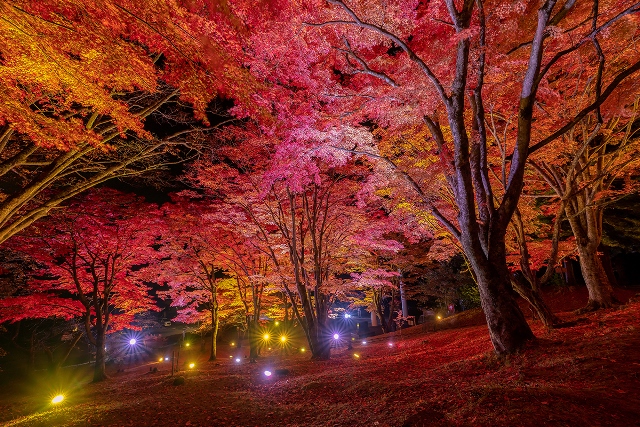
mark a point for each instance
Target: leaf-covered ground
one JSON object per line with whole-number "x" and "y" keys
{"x": 584, "y": 374}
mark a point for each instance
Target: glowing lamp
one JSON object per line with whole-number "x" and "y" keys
{"x": 390, "y": 344}
{"x": 356, "y": 355}
{"x": 347, "y": 316}
{"x": 232, "y": 344}
{"x": 302, "y": 349}
{"x": 187, "y": 344}
{"x": 166, "y": 358}
{"x": 283, "y": 338}
{"x": 277, "y": 323}
{"x": 439, "y": 317}
{"x": 267, "y": 373}
{"x": 230, "y": 357}
{"x": 57, "y": 399}
{"x": 364, "y": 343}
{"x": 237, "y": 360}
{"x": 161, "y": 359}
{"x": 265, "y": 337}
{"x": 132, "y": 341}
{"x": 336, "y": 336}
{"x": 192, "y": 365}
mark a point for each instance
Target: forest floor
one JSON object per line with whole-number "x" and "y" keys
{"x": 586, "y": 373}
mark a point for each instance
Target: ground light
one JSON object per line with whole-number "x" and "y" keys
{"x": 237, "y": 359}
{"x": 166, "y": 358}
{"x": 232, "y": 344}
{"x": 267, "y": 373}
{"x": 57, "y": 399}
{"x": 356, "y": 355}
{"x": 192, "y": 365}
{"x": 439, "y": 317}
{"x": 132, "y": 341}
{"x": 283, "y": 338}
{"x": 277, "y": 323}
{"x": 161, "y": 359}
{"x": 266, "y": 337}
{"x": 187, "y": 345}
{"x": 364, "y": 343}
{"x": 336, "y": 336}
{"x": 302, "y": 349}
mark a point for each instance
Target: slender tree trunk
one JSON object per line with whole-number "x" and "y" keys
{"x": 598, "y": 285}
{"x": 214, "y": 333}
{"x": 533, "y": 297}
{"x": 99, "y": 370}
{"x": 253, "y": 340}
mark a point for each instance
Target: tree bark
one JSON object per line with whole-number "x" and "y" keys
{"x": 99, "y": 370}
{"x": 508, "y": 328}
{"x": 214, "y": 333}
{"x": 533, "y": 297}
{"x": 598, "y": 285}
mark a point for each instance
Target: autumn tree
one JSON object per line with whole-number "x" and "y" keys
{"x": 190, "y": 263}
{"x": 443, "y": 64}
{"x": 106, "y": 89}
{"x": 91, "y": 251}
{"x": 594, "y": 168}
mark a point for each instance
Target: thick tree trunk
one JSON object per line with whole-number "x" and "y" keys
{"x": 253, "y": 341}
{"x": 507, "y": 325}
{"x": 598, "y": 285}
{"x": 214, "y": 338}
{"x": 321, "y": 334}
{"x": 99, "y": 370}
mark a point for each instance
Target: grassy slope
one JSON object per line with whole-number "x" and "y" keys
{"x": 587, "y": 374}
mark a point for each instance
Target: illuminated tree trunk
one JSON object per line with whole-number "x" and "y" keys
{"x": 214, "y": 326}
{"x": 586, "y": 223}
{"x": 507, "y": 325}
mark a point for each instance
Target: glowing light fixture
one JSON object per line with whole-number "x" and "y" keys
{"x": 232, "y": 344}
{"x": 161, "y": 359}
{"x": 132, "y": 341}
{"x": 267, "y": 373}
{"x": 439, "y": 317}
{"x": 364, "y": 343}
{"x": 266, "y": 337}
{"x": 356, "y": 355}
{"x": 192, "y": 365}
{"x": 277, "y": 323}
{"x": 166, "y": 358}
{"x": 237, "y": 360}
{"x": 230, "y": 357}
{"x": 390, "y": 344}
{"x": 283, "y": 338}
{"x": 302, "y": 349}
{"x": 57, "y": 399}
{"x": 336, "y": 336}
{"x": 187, "y": 344}
{"x": 347, "y": 316}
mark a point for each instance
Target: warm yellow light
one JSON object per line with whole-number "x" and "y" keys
{"x": 187, "y": 344}
{"x": 161, "y": 359}
{"x": 265, "y": 336}
{"x": 191, "y": 365}
{"x": 283, "y": 338}
{"x": 356, "y": 355}
{"x": 277, "y": 323}
{"x": 59, "y": 398}
{"x": 302, "y": 349}
{"x": 232, "y": 344}
{"x": 439, "y": 317}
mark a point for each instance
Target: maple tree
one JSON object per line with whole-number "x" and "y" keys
{"x": 594, "y": 168}
{"x": 190, "y": 263}
{"x": 93, "y": 91}
{"x": 440, "y": 66}
{"x": 90, "y": 253}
